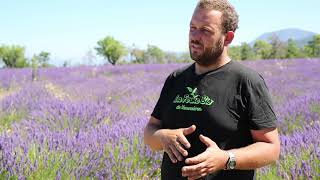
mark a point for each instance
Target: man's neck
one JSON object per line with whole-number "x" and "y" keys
{"x": 222, "y": 60}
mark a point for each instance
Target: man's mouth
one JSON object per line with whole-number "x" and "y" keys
{"x": 196, "y": 46}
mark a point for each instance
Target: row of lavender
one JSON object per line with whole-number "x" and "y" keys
{"x": 78, "y": 122}
{"x": 88, "y": 121}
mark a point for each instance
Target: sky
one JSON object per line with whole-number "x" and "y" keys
{"x": 68, "y": 29}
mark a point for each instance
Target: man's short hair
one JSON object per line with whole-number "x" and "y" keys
{"x": 230, "y": 17}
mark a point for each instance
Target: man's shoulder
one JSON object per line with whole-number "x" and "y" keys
{"x": 246, "y": 73}
{"x": 182, "y": 71}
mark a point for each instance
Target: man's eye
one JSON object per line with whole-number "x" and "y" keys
{"x": 192, "y": 28}
{"x": 206, "y": 31}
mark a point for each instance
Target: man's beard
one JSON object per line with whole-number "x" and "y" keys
{"x": 210, "y": 54}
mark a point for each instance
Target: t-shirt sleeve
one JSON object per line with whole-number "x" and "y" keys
{"x": 260, "y": 107}
{"x": 158, "y": 109}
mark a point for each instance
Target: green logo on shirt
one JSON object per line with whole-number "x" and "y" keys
{"x": 192, "y": 99}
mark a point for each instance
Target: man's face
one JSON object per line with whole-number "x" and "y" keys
{"x": 206, "y": 41}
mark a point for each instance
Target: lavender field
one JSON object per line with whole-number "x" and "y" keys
{"x": 87, "y": 122}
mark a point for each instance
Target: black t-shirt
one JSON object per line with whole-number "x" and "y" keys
{"x": 224, "y": 104}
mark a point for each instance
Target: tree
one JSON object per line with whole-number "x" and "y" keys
{"x": 137, "y": 55}
{"x": 235, "y": 52}
{"x": 42, "y": 59}
{"x": 279, "y": 49}
{"x": 13, "y": 56}
{"x": 154, "y": 55}
{"x": 185, "y": 57}
{"x": 293, "y": 51}
{"x": 262, "y": 49}
{"x": 66, "y": 63}
{"x": 246, "y": 52}
{"x": 313, "y": 47}
{"x": 89, "y": 58}
{"x": 34, "y": 65}
{"x": 171, "y": 57}
{"x": 110, "y": 49}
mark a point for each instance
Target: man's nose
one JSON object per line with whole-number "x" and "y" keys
{"x": 195, "y": 35}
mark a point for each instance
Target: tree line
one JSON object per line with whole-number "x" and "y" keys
{"x": 13, "y": 56}
{"x": 276, "y": 49}
{"x": 115, "y": 52}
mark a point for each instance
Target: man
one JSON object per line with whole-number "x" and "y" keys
{"x": 214, "y": 118}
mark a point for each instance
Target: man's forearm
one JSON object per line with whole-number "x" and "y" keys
{"x": 150, "y": 138}
{"x": 256, "y": 155}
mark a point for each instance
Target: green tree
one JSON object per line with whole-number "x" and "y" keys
{"x": 89, "y": 58}
{"x": 154, "y": 55}
{"x": 279, "y": 49}
{"x": 137, "y": 55}
{"x": 171, "y": 57}
{"x": 235, "y": 52}
{"x": 110, "y": 49}
{"x": 313, "y": 47}
{"x": 185, "y": 57}
{"x": 293, "y": 51}
{"x": 246, "y": 52}
{"x": 13, "y": 56}
{"x": 262, "y": 49}
{"x": 42, "y": 59}
{"x": 35, "y": 65}
{"x": 67, "y": 63}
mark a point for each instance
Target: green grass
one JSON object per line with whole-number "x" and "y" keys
{"x": 315, "y": 108}
{"x": 271, "y": 173}
{"x": 7, "y": 119}
{"x": 293, "y": 124}
{"x": 50, "y": 162}
{"x": 48, "y": 170}
{"x": 288, "y": 162}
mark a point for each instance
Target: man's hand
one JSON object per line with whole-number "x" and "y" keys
{"x": 211, "y": 160}
{"x": 174, "y": 142}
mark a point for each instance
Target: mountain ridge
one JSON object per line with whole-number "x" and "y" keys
{"x": 302, "y": 37}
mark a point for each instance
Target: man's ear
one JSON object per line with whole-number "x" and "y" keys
{"x": 228, "y": 38}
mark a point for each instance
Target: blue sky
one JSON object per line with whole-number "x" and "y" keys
{"x": 68, "y": 29}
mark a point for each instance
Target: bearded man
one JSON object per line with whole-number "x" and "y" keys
{"x": 214, "y": 119}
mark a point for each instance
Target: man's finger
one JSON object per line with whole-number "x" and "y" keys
{"x": 171, "y": 156}
{"x": 181, "y": 149}
{"x": 196, "y": 159}
{"x": 176, "y": 153}
{"x": 183, "y": 140}
{"x": 194, "y": 169}
{"x": 189, "y": 130}
{"x": 197, "y": 176}
{"x": 207, "y": 141}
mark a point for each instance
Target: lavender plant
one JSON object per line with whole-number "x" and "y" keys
{"x": 87, "y": 122}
